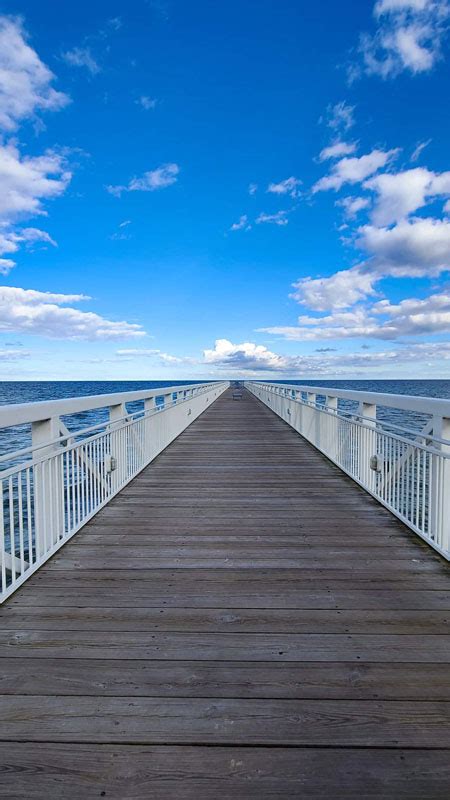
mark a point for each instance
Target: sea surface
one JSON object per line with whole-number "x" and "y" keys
{"x": 18, "y": 437}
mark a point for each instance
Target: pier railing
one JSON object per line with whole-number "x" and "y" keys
{"x": 404, "y": 468}
{"x": 50, "y": 489}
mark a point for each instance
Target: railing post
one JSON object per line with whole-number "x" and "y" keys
{"x": 366, "y": 440}
{"x": 48, "y": 486}
{"x": 440, "y": 487}
{"x": 118, "y": 449}
{"x": 332, "y": 422}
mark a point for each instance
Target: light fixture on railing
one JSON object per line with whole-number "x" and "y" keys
{"x": 375, "y": 463}
{"x": 110, "y": 463}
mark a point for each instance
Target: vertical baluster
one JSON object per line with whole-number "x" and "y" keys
{"x": 32, "y": 556}
{"x": 20, "y": 513}
{"x": 2, "y": 535}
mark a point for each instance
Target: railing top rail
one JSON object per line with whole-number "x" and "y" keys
{"x": 425, "y": 405}
{"x": 20, "y": 413}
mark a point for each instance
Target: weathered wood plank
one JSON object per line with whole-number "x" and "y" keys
{"x": 176, "y": 595}
{"x": 220, "y": 679}
{"x": 226, "y": 646}
{"x": 147, "y": 720}
{"x": 118, "y": 772}
{"x": 239, "y": 620}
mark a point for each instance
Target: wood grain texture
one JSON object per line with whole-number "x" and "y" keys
{"x": 242, "y": 621}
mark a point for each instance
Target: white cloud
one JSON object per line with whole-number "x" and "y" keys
{"x": 147, "y": 103}
{"x": 416, "y": 247}
{"x": 252, "y": 359}
{"x": 341, "y": 290}
{"x": 125, "y": 223}
{"x": 353, "y": 205}
{"x": 8, "y": 354}
{"x": 420, "y": 146}
{"x": 241, "y": 225}
{"x": 27, "y": 181}
{"x": 81, "y": 57}
{"x": 289, "y": 186}
{"x": 354, "y": 170}
{"x": 10, "y": 242}
{"x": 48, "y": 314}
{"x": 252, "y": 188}
{"x": 401, "y": 193}
{"x": 408, "y": 38}
{"x": 337, "y": 150}
{"x": 159, "y": 178}
{"x": 6, "y": 265}
{"x": 340, "y": 116}
{"x": 25, "y": 81}
{"x": 279, "y": 218}
{"x": 166, "y": 358}
{"x": 410, "y": 317}
{"x": 386, "y": 6}
{"x": 245, "y": 356}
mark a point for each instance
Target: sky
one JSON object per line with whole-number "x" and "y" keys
{"x": 204, "y": 189}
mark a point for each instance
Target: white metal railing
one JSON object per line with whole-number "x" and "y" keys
{"x": 407, "y": 470}
{"x": 50, "y": 489}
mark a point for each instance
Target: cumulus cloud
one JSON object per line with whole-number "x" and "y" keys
{"x": 337, "y": 150}
{"x": 48, "y": 314}
{"x": 151, "y": 181}
{"x": 253, "y": 359}
{"x": 341, "y": 290}
{"x": 26, "y": 182}
{"x": 10, "y": 242}
{"x": 354, "y": 170}
{"x": 408, "y": 37}
{"x": 279, "y": 218}
{"x": 383, "y": 320}
{"x": 81, "y": 57}
{"x": 416, "y": 247}
{"x": 245, "y": 356}
{"x": 289, "y": 186}
{"x": 400, "y": 194}
{"x": 25, "y": 81}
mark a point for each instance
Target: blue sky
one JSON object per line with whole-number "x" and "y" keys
{"x": 204, "y": 189}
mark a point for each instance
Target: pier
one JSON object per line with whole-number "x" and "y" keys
{"x": 257, "y": 607}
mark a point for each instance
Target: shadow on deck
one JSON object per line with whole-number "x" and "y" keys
{"x": 242, "y": 621}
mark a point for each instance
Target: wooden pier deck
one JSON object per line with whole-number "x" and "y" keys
{"x": 242, "y": 621}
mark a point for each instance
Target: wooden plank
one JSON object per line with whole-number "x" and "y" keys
{"x": 225, "y": 679}
{"x": 147, "y": 720}
{"x": 88, "y": 595}
{"x": 239, "y": 620}
{"x": 119, "y": 772}
{"x": 226, "y": 646}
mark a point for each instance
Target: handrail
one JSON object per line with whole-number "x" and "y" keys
{"x": 68, "y": 476}
{"x": 201, "y": 388}
{"x": 408, "y": 475}
{"x": 21, "y": 413}
{"x": 405, "y": 402}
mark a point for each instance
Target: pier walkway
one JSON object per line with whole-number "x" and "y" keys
{"x": 241, "y": 621}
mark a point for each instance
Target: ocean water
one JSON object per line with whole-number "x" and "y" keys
{"x": 15, "y": 438}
